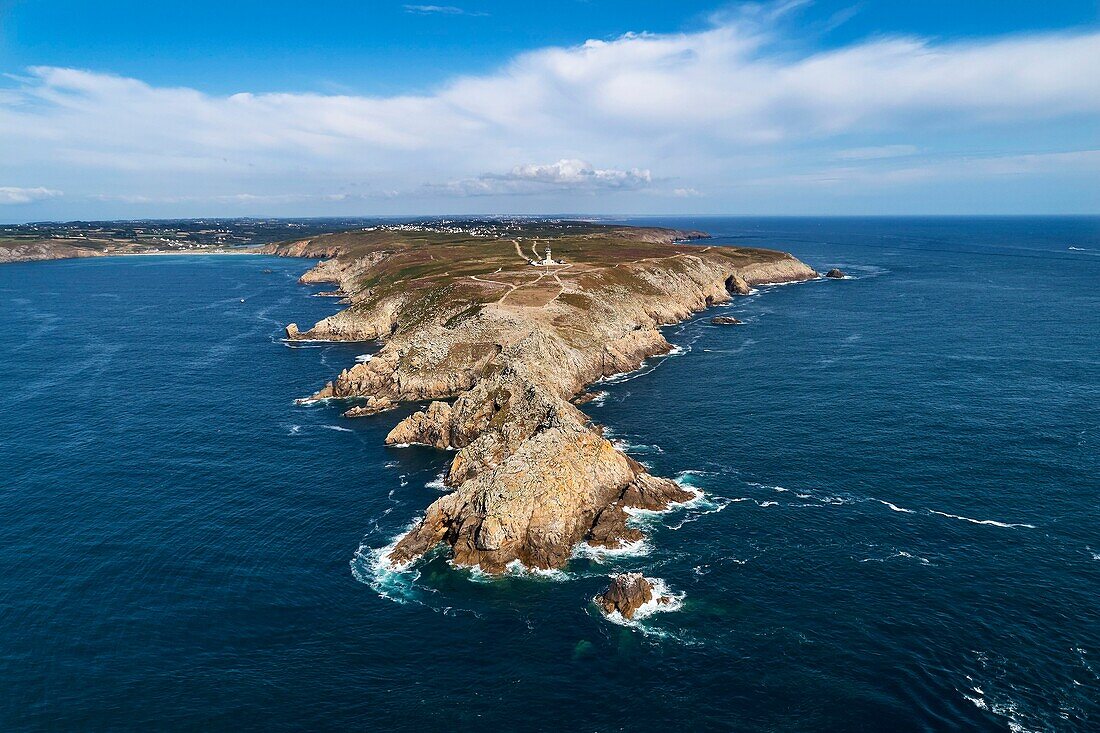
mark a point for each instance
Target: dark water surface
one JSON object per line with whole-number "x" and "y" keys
{"x": 901, "y": 527}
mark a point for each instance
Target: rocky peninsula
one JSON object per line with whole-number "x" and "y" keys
{"x": 498, "y": 335}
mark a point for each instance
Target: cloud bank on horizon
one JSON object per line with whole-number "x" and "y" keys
{"x": 734, "y": 118}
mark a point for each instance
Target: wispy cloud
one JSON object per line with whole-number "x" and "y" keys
{"x": 876, "y": 152}
{"x": 14, "y": 195}
{"x": 441, "y": 10}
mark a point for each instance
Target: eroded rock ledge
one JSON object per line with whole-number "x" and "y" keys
{"x": 469, "y": 319}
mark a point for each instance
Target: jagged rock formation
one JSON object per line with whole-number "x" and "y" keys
{"x": 834, "y": 274}
{"x": 627, "y": 593}
{"x": 467, "y": 318}
{"x": 725, "y": 321}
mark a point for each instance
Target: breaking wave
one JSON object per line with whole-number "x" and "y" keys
{"x": 990, "y": 522}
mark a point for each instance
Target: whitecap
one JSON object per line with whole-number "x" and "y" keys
{"x": 978, "y": 702}
{"x": 295, "y": 430}
{"x": 437, "y": 483}
{"x": 897, "y": 554}
{"x": 338, "y": 428}
{"x": 991, "y": 522}
{"x": 895, "y": 507}
{"x": 364, "y": 358}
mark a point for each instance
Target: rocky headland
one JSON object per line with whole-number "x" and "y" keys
{"x": 498, "y": 346}
{"x": 44, "y": 249}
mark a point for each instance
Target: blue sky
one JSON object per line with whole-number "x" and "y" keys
{"x": 125, "y": 109}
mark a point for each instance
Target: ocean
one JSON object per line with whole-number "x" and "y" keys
{"x": 900, "y": 526}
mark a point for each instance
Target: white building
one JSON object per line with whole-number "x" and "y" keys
{"x": 546, "y": 261}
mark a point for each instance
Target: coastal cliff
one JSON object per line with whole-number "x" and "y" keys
{"x": 43, "y": 249}
{"x": 470, "y": 318}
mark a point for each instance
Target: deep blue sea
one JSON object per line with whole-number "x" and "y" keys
{"x": 900, "y": 532}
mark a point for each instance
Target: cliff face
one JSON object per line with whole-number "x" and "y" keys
{"x": 511, "y": 343}
{"x": 46, "y": 249}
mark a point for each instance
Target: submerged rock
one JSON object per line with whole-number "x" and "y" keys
{"x": 726, "y": 321}
{"x": 627, "y": 593}
{"x": 835, "y": 274}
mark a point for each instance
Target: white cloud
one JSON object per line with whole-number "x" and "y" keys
{"x": 573, "y": 173}
{"x": 13, "y": 195}
{"x": 564, "y": 175}
{"x": 684, "y": 106}
{"x": 943, "y": 170}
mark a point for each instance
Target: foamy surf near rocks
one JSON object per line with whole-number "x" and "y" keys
{"x": 627, "y": 593}
{"x": 466, "y": 318}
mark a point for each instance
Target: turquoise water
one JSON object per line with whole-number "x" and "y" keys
{"x": 900, "y": 530}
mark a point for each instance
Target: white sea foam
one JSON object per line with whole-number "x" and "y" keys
{"x": 310, "y": 401}
{"x": 518, "y": 569}
{"x": 991, "y": 522}
{"x": 684, "y": 478}
{"x": 898, "y": 554}
{"x": 978, "y": 702}
{"x": 514, "y": 569}
{"x": 628, "y": 447}
{"x": 895, "y": 507}
{"x": 663, "y": 601}
{"x": 706, "y": 504}
{"x": 338, "y": 428}
{"x": 391, "y": 580}
{"x": 638, "y": 548}
{"x": 764, "y": 504}
{"x": 599, "y": 399}
{"x": 295, "y": 430}
{"x": 437, "y": 483}
{"x": 364, "y": 358}
{"x": 320, "y": 341}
